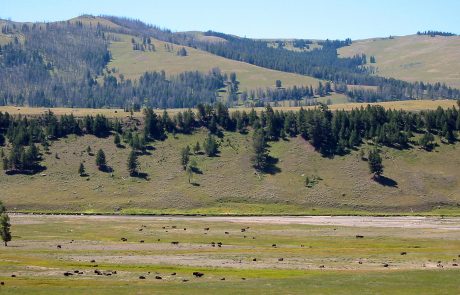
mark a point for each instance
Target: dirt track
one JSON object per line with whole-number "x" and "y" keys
{"x": 450, "y": 223}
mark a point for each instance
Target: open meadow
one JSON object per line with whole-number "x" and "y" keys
{"x": 408, "y": 105}
{"x": 412, "y": 58}
{"x": 145, "y": 255}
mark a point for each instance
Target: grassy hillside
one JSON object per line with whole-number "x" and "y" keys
{"x": 133, "y": 63}
{"x": 416, "y": 180}
{"x": 413, "y": 58}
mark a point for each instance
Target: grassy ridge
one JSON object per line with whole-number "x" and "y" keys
{"x": 413, "y": 58}
{"x": 132, "y": 64}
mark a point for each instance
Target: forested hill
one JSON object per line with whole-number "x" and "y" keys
{"x": 66, "y": 64}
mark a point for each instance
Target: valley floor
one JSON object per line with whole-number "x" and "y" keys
{"x": 254, "y": 255}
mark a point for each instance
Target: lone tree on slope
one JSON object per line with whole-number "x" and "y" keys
{"x": 133, "y": 163}
{"x": 375, "y": 163}
{"x": 5, "y": 228}
{"x": 100, "y": 160}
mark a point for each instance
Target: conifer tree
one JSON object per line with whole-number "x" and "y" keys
{"x": 210, "y": 145}
{"x": 197, "y": 148}
{"x": 375, "y": 163}
{"x": 5, "y": 226}
{"x": 133, "y": 163}
{"x": 260, "y": 156}
{"x": 116, "y": 140}
{"x": 81, "y": 170}
{"x": 100, "y": 160}
{"x": 185, "y": 157}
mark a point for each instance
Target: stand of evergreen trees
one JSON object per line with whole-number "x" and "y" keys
{"x": 331, "y": 133}
{"x": 436, "y": 33}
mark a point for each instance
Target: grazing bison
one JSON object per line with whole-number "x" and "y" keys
{"x": 141, "y": 278}
{"x": 198, "y": 274}
{"x": 359, "y": 236}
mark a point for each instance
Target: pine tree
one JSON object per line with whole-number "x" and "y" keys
{"x": 260, "y": 157}
{"x": 133, "y": 163}
{"x": 116, "y": 140}
{"x": 189, "y": 172}
{"x": 210, "y": 145}
{"x": 5, "y": 226}
{"x": 375, "y": 163}
{"x": 81, "y": 170}
{"x": 185, "y": 157}
{"x": 427, "y": 141}
{"x": 197, "y": 148}
{"x": 100, "y": 160}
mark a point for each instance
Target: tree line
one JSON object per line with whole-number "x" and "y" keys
{"x": 330, "y": 133}
{"x": 436, "y": 33}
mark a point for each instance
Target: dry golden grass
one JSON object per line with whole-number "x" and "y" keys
{"x": 132, "y": 64}
{"x": 228, "y": 184}
{"x": 408, "y": 105}
{"x": 413, "y": 58}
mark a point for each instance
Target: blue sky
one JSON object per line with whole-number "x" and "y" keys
{"x": 333, "y": 19}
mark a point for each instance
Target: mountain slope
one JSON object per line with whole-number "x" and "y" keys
{"x": 133, "y": 63}
{"x": 419, "y": 180}
{"x": 413, "y": 58}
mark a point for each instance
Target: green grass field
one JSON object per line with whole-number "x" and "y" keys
{"x": 413, "y": 58}
{"x": 331, "y": 260}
